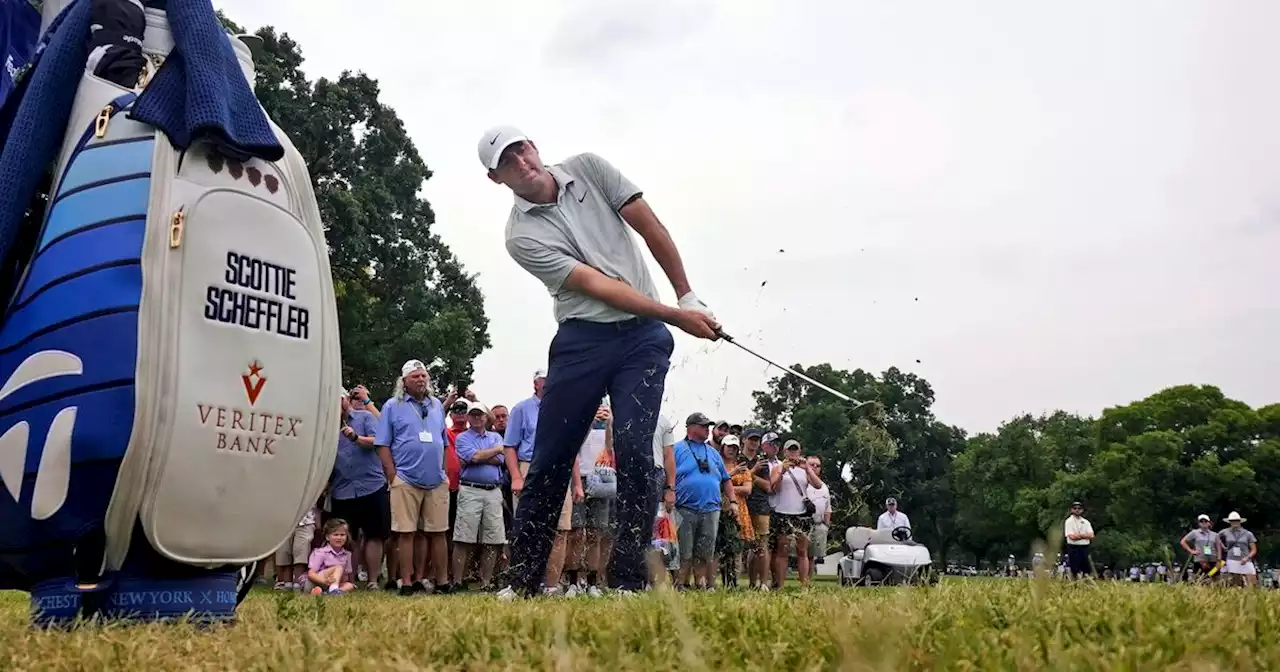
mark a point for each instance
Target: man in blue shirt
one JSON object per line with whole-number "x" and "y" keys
{"x": 479, "y": 519}
{"x": 522, "y": 426}
{"x": 410, "y": 441}
{"x": 702, "y": 486}
{"x": 359, "y": 487}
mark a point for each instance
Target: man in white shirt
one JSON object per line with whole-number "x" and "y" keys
{"x": 821, "y": 498}
{"x": 1079, "y": 532}
{"x": 892, "y": 518}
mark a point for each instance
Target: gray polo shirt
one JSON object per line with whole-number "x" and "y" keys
{"x": 582, "y": 227}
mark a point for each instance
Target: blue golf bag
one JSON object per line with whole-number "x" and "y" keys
{"x": 169, "y": 350}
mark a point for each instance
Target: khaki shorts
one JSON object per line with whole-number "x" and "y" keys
{"x": 479, "y": 518}
{"x": 414, "y": 509}
{"x": 296, "y": 550}
{"x": 760, "y": 525}
{"x": 566, "y": 513}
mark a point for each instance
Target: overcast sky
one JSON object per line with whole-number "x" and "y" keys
{"x": 1032, "y": 205}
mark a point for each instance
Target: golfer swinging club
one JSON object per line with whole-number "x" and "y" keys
{"x": 568, "y": 228}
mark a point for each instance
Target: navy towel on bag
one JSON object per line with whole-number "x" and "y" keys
{"x": 200, "y": 89}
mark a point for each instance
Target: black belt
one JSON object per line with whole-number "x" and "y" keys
{"x": 481, "y": 486}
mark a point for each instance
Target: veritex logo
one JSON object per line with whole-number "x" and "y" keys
{"x": 54, "y": 472}
{"x": 243, "y": 429}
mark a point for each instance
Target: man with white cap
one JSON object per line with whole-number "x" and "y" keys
{"x": 1239, "y": 547}
{"x": 892, "y": 518}
{"x": 479, "y": 518}
{"x": 1202, "y": 545}
{"x": 410, "y": 441}
{"x": 570, "y": 227}
{"x": 1079, "y": 533}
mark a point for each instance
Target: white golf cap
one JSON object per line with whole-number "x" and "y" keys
{"x": 1204, "y": 517}
{"x": 411, "y": 366}
{"x": 494, "y": 141}
{"x": 729, "y": 440}
{"x": 540, "y": 373}
{"x": 476, "y": 406}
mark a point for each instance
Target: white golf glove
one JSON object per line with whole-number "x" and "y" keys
{"x": 691, "y": 301}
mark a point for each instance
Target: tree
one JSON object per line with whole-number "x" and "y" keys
{"x": 1002, "y": 481}
{"x": 892, "y": 447}
{"x": 401, "y": 293}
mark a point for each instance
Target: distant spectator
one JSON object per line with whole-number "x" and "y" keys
{"x": 521, "y": 430}
{"x": 479, "y": 518}
{"x": 702, "y": 484}
{"x": 359, "y": 487}
{"x": 411, "y": 445}
{"x": 360, "y": 401}
{"x": 667, "y": 554}
{"x": 1079, "y": 533}
{"x": 330, "y": 565}
{"x": 1202, "y": 545}
{"x": 821, "y": 498}
{"x": 759, "y": 506}
{"x": 1239, "y": 547}
{"x": 735, "y": 522}
{"x": 892, "y": 518}
{"x": 718, "y": 433}
{"x": 791, "y": 522}
{"x": 588, "y": 551}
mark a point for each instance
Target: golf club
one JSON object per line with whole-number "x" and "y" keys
{"x": 856, "y": 404}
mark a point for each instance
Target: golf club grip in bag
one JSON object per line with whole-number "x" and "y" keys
{"x": 170, "y": 361}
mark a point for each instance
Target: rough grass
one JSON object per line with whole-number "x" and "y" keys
{"x": 960, "y": 624}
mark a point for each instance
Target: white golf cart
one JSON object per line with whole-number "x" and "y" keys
{"x": 884, "y": 557}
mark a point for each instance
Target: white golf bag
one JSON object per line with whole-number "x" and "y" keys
{"x": 170, "y": 362}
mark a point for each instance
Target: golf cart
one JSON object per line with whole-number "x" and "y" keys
{"x": 884, "y": 557}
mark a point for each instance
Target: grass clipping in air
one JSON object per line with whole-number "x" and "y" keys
{"x": 959, "y": 624}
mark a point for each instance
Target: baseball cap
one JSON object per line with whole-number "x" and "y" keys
{"x": 722, "y": 423}
{"x": 473, "y": 406}
{"x": 1075, "y": 504}
{"x": 540, "y": 373}
{"x": 771, "y": 437}
{"x": 891, "y": 500}
{"x": 698, "y": 418}
{"x": 494, "y": 141}
{"x": 730, "y": 440}
{"x": 459, "y": 406}
{"x": 791, "y": 443}
{"x": 1204, "y": 517}
{"x": 411, "y": 366}
{"x": 753, "y": 433}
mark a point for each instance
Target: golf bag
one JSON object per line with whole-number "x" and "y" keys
{"x": 170, "y": 361}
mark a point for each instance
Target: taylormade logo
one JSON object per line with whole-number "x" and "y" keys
{"x": 9, "y": 67}
{"x": 54, "y": 472}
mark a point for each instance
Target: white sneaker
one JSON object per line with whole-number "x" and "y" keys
{"x": 362, "y": 575}
{"x": 593, "y": 591}
{"x": 551, "y": 591}
{"x": 572, "y": 590}
{"x": 764, "y": 588}
{"x": 283, "y": 585}
{"x": 508, "y": 594}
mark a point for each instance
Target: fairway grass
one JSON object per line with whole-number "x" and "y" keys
{"x": 959, "y": 624}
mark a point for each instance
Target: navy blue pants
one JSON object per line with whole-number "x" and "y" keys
{"x": 629, "y": 361}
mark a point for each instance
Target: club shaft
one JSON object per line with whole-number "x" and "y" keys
{"x": 793, "y": 372}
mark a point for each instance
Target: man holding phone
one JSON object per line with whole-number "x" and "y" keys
{"x": 359, "y": 486}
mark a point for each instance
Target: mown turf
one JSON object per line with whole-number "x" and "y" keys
{"x": 960, "y": 624}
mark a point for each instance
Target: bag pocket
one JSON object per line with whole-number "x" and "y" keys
{"x": 241, "y": 440}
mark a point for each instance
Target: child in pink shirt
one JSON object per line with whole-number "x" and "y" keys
{"x": 330, "y": 565}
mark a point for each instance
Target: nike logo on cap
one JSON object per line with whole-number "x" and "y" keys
{"x": 495, "y": 138}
